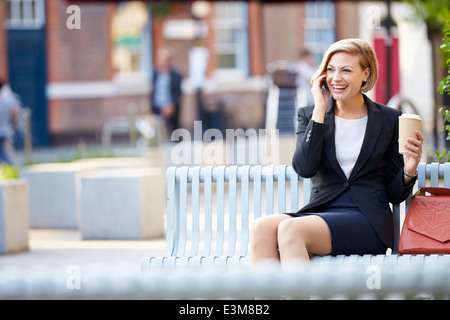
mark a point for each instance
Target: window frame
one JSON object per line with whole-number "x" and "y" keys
{"x": 320, "y": 27}
{"x": 25, "y": 14}
{"x": 144, "y": 73}
{"x": 234, "y": 21}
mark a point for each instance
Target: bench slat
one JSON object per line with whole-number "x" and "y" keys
{"x": 245, "y": 195}
{"x": 220, "y": 174}
{"x": 171, "y": 209}
{"x": 257, "y": 191}
{"x": 208, "y": 178}
{"x": 182, "y": 209}
{"x": 281, "y": 188}
{"x": 434, "y": 176}
{"x": 446, "y": 174}
{"x": 293, "y": 178}
{"x": 421, "y": 175}
{"x": 195, "y": 210}
{"x": 268, "y": 175}
{"x": 232, "y": 210}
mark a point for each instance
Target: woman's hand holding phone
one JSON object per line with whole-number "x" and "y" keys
{"x": 325, "y": 85}
{"x": 321, "y": 95}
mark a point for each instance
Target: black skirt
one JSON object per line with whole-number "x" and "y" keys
{"x": 351, "y": 232}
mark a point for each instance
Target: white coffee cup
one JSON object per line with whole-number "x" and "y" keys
{"x": 408, "y": 123}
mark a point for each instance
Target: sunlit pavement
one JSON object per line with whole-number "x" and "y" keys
{"x": 60, "y": 248}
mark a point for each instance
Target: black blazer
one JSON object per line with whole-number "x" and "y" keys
{"x": 377, "y": 177}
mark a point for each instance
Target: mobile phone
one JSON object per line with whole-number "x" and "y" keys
{"x": 325, "y": 84}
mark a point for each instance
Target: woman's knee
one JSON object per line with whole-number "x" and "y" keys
{"x": 310, "y": 232}
{"x": 265, "y": 228}
{"x": 290, "y": 232}
{"x": 261, "y": 227}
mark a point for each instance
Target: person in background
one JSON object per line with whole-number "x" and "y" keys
{"x": 9, "y": 115}
{"x": 198, "y": 62}
{"x": 166, "y": 92}
{"x": 305, "y": 68}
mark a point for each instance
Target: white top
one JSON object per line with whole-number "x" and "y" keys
{"x": 349, "y": 136}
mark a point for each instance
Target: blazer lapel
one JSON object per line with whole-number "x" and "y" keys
{"x": 374, "y": 122}
{"x": 329, "y": 146}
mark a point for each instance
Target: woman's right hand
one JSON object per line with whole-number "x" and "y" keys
{"x": 321, "y": 98}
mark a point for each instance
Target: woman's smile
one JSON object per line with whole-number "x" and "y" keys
{"x": 338, "y": 88}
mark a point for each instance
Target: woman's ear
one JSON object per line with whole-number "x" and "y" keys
{"x": 366, "y": 74}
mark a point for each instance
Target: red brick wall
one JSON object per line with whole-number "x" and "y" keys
{"x": 281, "y": 31}
{"x": 89, "y": 114}
{"x": 257, "y": 61}
{"x": 79, "y": 55}
{"x": 346, "y": 19}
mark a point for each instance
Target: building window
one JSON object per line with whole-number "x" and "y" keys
{"x": 319, "y": 27}
{"x": 131, "y": 39}
{"x": 231, "y": 38}
{"x": 25, "y": 13}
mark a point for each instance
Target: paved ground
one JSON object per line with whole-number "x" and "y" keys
{"x": 60, "y": 248}
{"x": 66, "y": 247}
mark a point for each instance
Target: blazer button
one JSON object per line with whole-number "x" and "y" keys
{"x": 346, "y": 184}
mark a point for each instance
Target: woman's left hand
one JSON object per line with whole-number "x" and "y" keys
{"x": 414, "y": 154}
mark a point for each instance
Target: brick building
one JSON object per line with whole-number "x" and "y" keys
{"x": 84, "y": 75}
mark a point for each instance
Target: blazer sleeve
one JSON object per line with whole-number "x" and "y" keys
{"x": 308, "y": 150}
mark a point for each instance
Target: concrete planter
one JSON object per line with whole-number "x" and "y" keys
{"x": 123, "y": 204}
{"x": 55, "y": 189}
{"x": 14, "y": 216}
{"x": 54, "y": 192}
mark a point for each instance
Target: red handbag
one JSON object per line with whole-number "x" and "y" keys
{"x": 426, "y": 229}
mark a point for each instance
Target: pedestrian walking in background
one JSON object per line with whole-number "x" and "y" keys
{"x": 305, "y": 69}
{"x": 198, "y": 62}
{"x": 166, "y": 90}
{"x": 9, "y": 115}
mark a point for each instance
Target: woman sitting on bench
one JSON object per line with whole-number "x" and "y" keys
{"x": 348, "y": 146}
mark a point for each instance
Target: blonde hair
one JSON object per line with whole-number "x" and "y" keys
{"x": 367, "y": 59}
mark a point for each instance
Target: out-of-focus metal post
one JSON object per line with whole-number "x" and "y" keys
{"x": 132, "y": 113}
{"x": 28, "y": 142}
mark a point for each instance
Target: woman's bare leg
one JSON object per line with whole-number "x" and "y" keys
{"x": 264, "y": 237}
{"x": 299, "y": 237}
{"x": 263, "y": 243}
{"x": 283, "y": 237}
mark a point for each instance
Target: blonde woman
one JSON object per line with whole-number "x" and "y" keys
{"x": 348, "y": 146}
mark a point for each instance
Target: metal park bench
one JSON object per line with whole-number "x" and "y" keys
{"x": 210, "y": 210}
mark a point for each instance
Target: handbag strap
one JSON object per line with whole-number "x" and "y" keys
{"x": 435, "y": 191}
